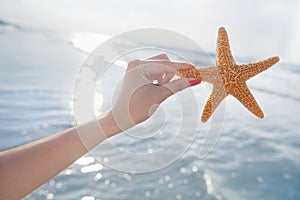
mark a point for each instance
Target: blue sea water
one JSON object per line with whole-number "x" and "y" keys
{"x": 253, "y": 158}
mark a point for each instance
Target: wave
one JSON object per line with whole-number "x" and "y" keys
{"x": 273, "y": 92}
{"x": 9, "y": 24}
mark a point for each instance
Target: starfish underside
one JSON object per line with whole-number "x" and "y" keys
{"x": 229, "y": 78}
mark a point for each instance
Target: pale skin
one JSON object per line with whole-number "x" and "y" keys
{"x": 25, "y": 168}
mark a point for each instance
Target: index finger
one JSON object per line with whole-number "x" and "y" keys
{"x": 171, "y": 64}
{"x": 159, "y": 57}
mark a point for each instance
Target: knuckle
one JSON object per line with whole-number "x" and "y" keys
{"x": 163, "y": 55}
{"x": 133, "y": 63}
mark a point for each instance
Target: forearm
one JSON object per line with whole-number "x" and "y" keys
{"x": 25, "y": 168}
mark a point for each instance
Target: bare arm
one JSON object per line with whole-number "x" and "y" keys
{"x": 25, "y": 168}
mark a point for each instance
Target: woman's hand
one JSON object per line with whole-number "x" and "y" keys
{"x": 146, "y": 84}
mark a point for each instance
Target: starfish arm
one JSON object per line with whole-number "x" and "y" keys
{"x": 190, "y": 73}
{"x": 208, "y": 74}
{"x": 215, "y": 98}
{"x": 224, "y": 57}
{"x": 247, "y": 71}
{"x": 243, "y": 94}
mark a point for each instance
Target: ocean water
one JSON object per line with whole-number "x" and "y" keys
{"x": 253, "y": 158}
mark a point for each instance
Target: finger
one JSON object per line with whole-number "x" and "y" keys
{"x": 174, "y": 86}
{"x": 173, "y": 65}
{"x": 159, "y": 57}
{"x": 178, "y": 85}
{"x": 166, "y": 77}
{"x": 161, "y": 73}
{"x": 135, "y": 63}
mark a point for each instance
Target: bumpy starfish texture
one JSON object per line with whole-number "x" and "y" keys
{"x": 229, "y": 78}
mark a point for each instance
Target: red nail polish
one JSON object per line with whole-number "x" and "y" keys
{"x": 194, "y": 82}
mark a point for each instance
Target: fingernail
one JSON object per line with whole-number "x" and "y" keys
{"x": 194, "y": 82}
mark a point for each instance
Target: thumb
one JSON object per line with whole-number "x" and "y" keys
{"x": 178, "y": 85}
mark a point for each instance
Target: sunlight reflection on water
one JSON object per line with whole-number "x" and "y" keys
{"x": 88, "y": 41}
{"x": 255, "y": 159}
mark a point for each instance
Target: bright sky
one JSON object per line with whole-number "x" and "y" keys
{"x": 257, "y": 28}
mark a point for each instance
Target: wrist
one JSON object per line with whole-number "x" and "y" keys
{"x": 108, "y": 124}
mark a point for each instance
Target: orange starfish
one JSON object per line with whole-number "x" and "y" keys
{"x": 229, "y": 78}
